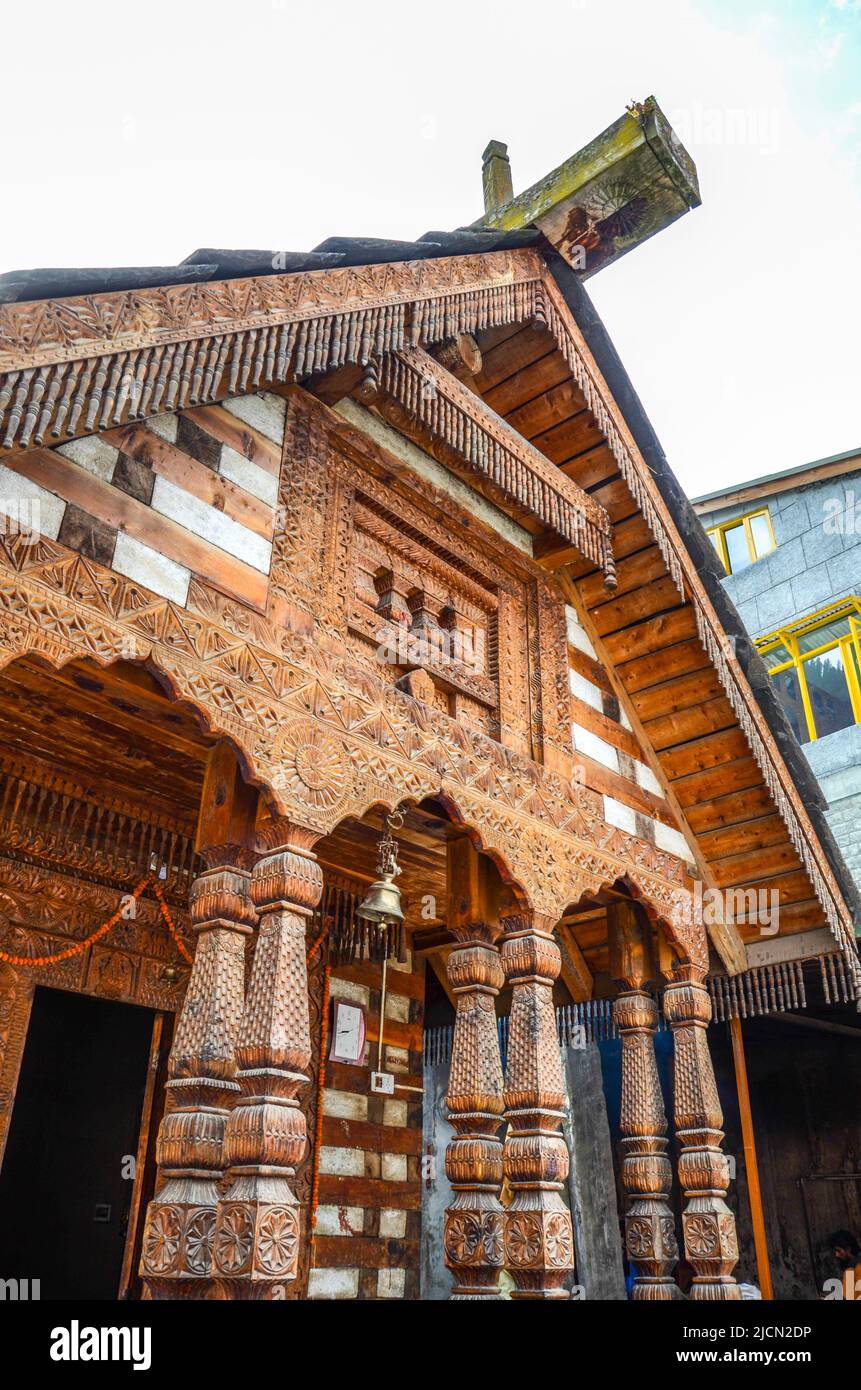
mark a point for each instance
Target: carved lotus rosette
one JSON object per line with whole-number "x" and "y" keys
{"x": 473, "y": 1238}
{"x": 538, "y": 1240}
{"x": 177, "y": 1241}
{"x": 313, "y": 771}
{"x": 710, "y": 1239}
{"x": 256, "y": 1242}
{"x": 651, "y": 1236}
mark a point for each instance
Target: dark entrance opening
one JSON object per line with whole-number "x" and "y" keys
{"x": 66, "y": 1184}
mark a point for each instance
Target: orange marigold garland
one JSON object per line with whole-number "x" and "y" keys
{"x": 79, "y": 946}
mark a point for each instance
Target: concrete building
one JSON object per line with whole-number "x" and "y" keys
{"x": 791, "y": 545}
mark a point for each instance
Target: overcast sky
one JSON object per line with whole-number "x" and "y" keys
{"x": 134, "y": 134}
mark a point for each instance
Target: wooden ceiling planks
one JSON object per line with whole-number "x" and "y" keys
{"x": 649, "y": 632}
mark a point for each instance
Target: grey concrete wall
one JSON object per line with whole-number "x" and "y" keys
{"x": 812, "y": 565}
{"x": 817, "y": 561}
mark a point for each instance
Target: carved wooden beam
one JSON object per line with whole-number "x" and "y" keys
{"x": 650, "y": 1236}
{"x": 473, "y": 1160}
{"x": 180, "y": 1221}
{"x": 76, "y": 365}
{"x": 492, "y": 450}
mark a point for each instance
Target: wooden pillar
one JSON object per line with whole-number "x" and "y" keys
{"x": 256, "y": 1244}
{"x": 539, "y": 1245}
{"x": 650, "y": 1237}
{"x": 707, "y": 1222}
{"x": 177, "y": 1244}
{"x": 760, "y": 1240}
{"x": 473, "y": 1160}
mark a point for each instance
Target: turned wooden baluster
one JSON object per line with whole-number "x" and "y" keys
{"x": 473, "y": 1160}
{"x": 708, "y": 1224}
{"x": 650, "y": 1236}
{"x": 257, "y": 1226}
{"x": 539, "y": 1246}
{"x": 177, "y": 1241}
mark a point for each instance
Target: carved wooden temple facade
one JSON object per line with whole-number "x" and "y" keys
{"x": 292, "y": 544}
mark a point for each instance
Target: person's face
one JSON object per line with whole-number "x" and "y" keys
{"x": 842, "y": 1255}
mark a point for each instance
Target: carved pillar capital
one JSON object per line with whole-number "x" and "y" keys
{"x": 539, "y": 1245}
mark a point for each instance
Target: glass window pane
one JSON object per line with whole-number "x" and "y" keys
{"x": 761, "y": 532}
{"x": 829, "y": 692}
{"x": 736, "y": 548}
{"x": 777, "y": 656}
{"x": 821, "y": 636}
{"x": 789, "y": 693}
{"x": 714, "y": 537}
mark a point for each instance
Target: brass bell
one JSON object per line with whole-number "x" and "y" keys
{"x": 382, "y": 905}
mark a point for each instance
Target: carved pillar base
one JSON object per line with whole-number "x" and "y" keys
{"x": 257, "y": 1228}
{"x": 177, "y": 1241}
{"x": 473, "y": 1162}
{"x": 539, "y": 1245}
{"x": 707, "y": 1222}
{"x": 650, "y": 1236}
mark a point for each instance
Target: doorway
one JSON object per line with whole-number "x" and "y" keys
{"x": 68, "y": 1180}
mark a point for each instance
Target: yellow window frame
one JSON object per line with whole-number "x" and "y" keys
{"x": 850, "y": 651}
{"x": 718, "y": 534}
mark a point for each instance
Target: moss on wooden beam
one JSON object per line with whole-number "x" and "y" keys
{"x": 627, "y": 184}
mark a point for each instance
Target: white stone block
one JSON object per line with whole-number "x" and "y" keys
{"x": 93, "y": 453}
{"x": 211, "y": 525}
{"x": 333, "y": 1283}
{"x": 166, "y": 426}
{"x": 339, "y": 1221}
{"x": 584, "y": 690}
{"x": 393, "y": 1223}
{"x": 577, "y": 634}
{"x": 393, "y": 1167}
{"x": 647, "y": 779}
{"x": 345, "y": 1105}
{"x": 391, "y": 1283}
{"x": 248, "y": 475}
{"x": 262, "y": 411}
{"x": 28, "y": 509}
{"x": 398, "y": 1008}
{"x": 348, "y": 989}
{"x": 150, "y": 568}
{"x": 397, "y": 1059}
{"x": 591, "y": 746}
{"x": 342, "y": 1163}
{"x": 395, "y": 1113}
{"x": 673, "y": 841}
{"x": 618, "y": 814}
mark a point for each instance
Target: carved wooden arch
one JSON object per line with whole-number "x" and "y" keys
{"x": 673, "y": 912}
